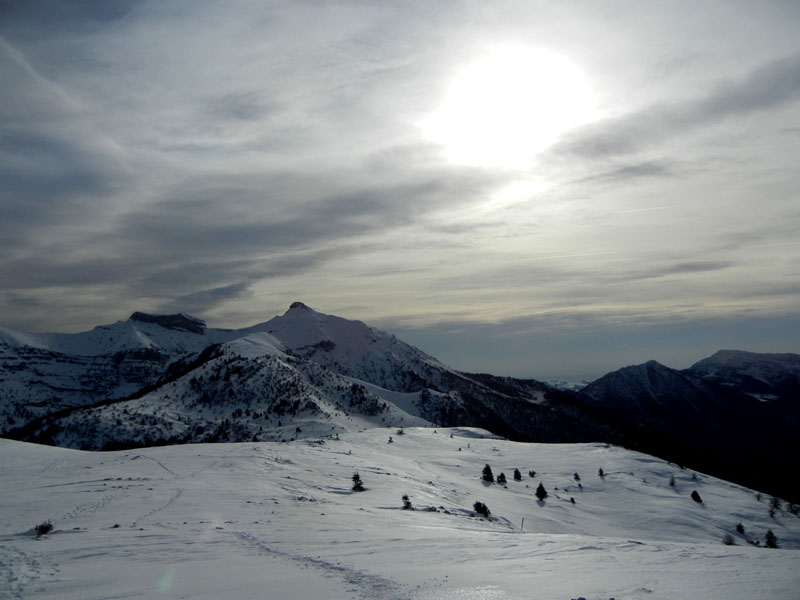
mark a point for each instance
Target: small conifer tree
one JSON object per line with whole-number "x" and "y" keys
{"x": 487, "y": 474}
{"x": 501, "y": 478}
{"x": 696, "y": 497}
{"x": 576, "y": 477}
{"x": 358, "y": 485}
{"x": 771, "y": 540}
{"x": 600, "y": 473}
{"x": 541, "y": 493}
{"x": 517, "y": 475}
{"x": 407, "y": 503}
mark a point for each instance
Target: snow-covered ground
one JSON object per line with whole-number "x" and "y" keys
{"x": 279, "y": 520}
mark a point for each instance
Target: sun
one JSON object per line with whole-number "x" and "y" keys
{"x": 505, "y": 108}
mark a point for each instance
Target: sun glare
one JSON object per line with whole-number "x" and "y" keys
{"x": 505, "y": 108}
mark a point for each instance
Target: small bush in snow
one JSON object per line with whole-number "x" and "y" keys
{"x": 541, "y": 493}
{"x": 487, "y": 474}
{"x": 481, "y": 509}
{"x": 600, "y": 473}
{"x": 531, "y": 473}
{"x": 400, "y": 431}
{"x": 358, "y": 485}
{"x": 43, "y": 528}
{"x": 740, "y": 528}
{"x": 728, "y": 540}
{"x": 501, "y": 478}
{"x": 576, "y": 477}
{"x": 672, "y": 481}
{"x": 517, "y": 475}
{"x": 770, "y": 540}
{"x": 407, "y": 503}
{"x": 696, "y": 497}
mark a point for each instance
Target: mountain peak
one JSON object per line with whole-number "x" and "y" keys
{"x": 298, "y": 306}
{"x": 177, "y": 321}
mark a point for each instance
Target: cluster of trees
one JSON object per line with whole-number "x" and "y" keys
{"x": 488, "y": 476}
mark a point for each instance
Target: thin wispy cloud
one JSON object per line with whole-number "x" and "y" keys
{"x": 770, "y": 86}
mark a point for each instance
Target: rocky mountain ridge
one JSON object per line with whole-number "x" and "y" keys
{"x": 299, "y": 374}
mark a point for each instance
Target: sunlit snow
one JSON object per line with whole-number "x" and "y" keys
{"x": 279, "y": 520}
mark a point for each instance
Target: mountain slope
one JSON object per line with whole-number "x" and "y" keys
{"x": 304, "y": 371}
{"x": 768, "y": 377}
{"x": 697, "y": 422}
{"x": 245, "y": 520}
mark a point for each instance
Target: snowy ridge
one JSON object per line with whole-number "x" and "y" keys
{"x": 765, "y": 376}
{"x": 232, "y": 397}
{"x": 134, "y": 380}
{"x": 352, "y": 348}
{"x": 768, "y": 368}
{"x": 242, "y": 520}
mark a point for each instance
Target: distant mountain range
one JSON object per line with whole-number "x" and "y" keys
{"x": 170, "y": 379}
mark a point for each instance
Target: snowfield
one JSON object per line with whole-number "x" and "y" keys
{"x": 279, "y": 520}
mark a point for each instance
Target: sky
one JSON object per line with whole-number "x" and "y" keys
{"x": 536, "y": 189}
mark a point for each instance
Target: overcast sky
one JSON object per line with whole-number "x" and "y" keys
{"x": 526, "y": 188}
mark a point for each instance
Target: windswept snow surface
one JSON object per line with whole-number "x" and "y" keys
{"x": 273, "y": 520}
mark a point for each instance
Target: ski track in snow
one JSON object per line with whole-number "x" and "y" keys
{"x": 366, "y": 585}
{"x": 158, "y": 462}
{"x": 91, "y": 507}
{"x": 168, "y": 503}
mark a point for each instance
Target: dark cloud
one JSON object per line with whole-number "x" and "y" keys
{"x": 681, "y": 268}
{"x": 240, "y": 105}
{"x": 243, "y": 219}
{"x": 49, "y": 180}
{"x": 203, "y": 300}
{"x": 770, "y": 86}
{"x": 634, "y": 171}
{"x": 75, "y": 15}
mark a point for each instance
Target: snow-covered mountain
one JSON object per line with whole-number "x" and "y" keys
{"x": 257, "y": 520}
{"x": 169, "y": 379}
{"x": 702, "y": 422}
{"x": 768, "y": 377}
{"x": 157, "y": 379}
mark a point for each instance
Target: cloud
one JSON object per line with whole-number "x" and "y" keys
{"x": 767, "y": 87}
{"x": 204, "y": 300}
{"x": 633, "y": 172}
{"x": 241, "y": 105}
